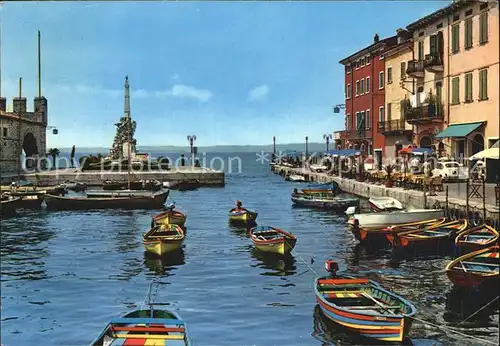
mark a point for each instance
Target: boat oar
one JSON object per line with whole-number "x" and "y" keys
{"x": 377, "y": 302}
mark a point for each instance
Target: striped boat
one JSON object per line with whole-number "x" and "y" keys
{"x": 170, "y": 216}
{"x": 163, "y": 239}
{"x": 364, "y": 307}
{"x": 271, "y": 239}
{"x": 476, "y": 238}
{"x": 478, "y": 268}
{"x": 242, "y": 216}
{"x": 144, "y": 327}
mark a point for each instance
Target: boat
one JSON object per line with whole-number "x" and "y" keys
{"x": 378, "y": 204}
{"x": 272, "y": 239}
{"x": 393, "y": 218}
{"x": 170, "y": 216}
{"x": 144, "y": 327}
{"x": 321, "y": 188}
{"x": 28, "y": 199}
{"x": 187, "y": 185}
{"x": 8, "y": 205}
{"x": 363, "y": 306}
{"x": 163, "y": 239}
{"x": 147, "y": 185}
{"x": 74, "y": 186}
{"x": 118, "y": 193}
{"x": 324, "y": 202}
{"x": 295, "y": 177}
{"x": 476, "y": 238}
{"x": 475, "y": 269}
{"x": 430, "y": 238}
{"x": 151, "y": 201}
{"x": 379, "y": 234}
{"x": 242, "y": 215}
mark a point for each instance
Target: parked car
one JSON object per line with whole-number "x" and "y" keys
{"x": 448, "y": 170}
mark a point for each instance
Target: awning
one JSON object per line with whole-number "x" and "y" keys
{"x": 459, "y": 130}
{"x": 491, "y": 153}
{"x": 421, "y": 151}
{"x": 349, "y": 152}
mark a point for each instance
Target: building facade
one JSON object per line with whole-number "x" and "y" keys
{"x": 393, "y": 126}
{"x": 365, "y": 97}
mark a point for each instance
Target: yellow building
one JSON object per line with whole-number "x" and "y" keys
{"x": 396, "y": 130}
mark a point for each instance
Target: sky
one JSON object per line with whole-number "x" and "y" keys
{"x": 231, "y": 73}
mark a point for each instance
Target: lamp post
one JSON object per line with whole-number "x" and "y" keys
{"x": 191, "y": 140}
{"x": 327, "y": 137}
{"x": 307, "y": 147}
{"x": 274, "y": 145}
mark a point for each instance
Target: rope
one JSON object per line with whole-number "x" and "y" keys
{"x": 303, "y": 260}
{"x": 452, "y": 330}
{"x": 477, "y": 311}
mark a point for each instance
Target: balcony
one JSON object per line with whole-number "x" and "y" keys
{"x": 429, "y": 113}
{"x": 355, "y": 135}
{"x": 393, "y": 126}
{"x": 415, "y": 69}
{"x": 434, "y": 63}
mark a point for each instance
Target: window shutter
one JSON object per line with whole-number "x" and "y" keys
{"x": 440, "y": 43}
{"x": 433, "y": 44}
{"x": 403, "y": 70}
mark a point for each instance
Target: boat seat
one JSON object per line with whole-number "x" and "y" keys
{"x": 148, "y": 329}
{"x": 481, "y": 264}
{"x": 147, "y": 321}
{"x": 343, "y": 295}
{"x": 373, "y": 307}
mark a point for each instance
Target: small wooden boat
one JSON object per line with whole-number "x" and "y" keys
{"x": 315, "y": 201}
{"x": 117, "y": 193}
{"x": 144, "y": 327}
{"x": 429, "y": 237}
{"x": 321, "y": 188}
{"x": 170, "y": 216}
{"x": 271, "y": 239}
{"x": 380, "y": 234}
{"x": 150, "y": 201}
{"x": 147, "y": 185}
{"x": 476, "y": 238}
{"x": 29, "y": 199}
{"x": 363, "y": 306}
{"x": 378, "y": 204}
{"x": 478, "y": 268}
{"x": 163, "y": 239}
{"x": 242, "y": 215}
{"x": 8, "y": 205}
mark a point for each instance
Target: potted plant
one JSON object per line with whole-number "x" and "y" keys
{"x": 389, "y": 169}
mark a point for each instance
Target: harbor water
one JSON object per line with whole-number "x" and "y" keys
{"x": 64, "y": 275}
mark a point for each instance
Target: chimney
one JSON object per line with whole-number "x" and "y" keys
{"x": 376, "y": 38}
{"x": 402, "y": 35}
{"x": 3, "y": 104}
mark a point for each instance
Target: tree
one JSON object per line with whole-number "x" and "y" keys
{"x": 54, "y": 152}
{"x": 121, "y": 137}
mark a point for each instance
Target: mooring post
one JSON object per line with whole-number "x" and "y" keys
{"x": 467, "y": 197}
{"x": 484, "y": 200}
{"x": 446, "y": 198}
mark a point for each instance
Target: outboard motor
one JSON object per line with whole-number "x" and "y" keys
{"x": 332, "y": 267}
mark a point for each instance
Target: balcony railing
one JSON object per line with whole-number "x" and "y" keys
{"x": 427, "y": 113}
{"x": 354, "y": 134}
{"x": 433, "y": 62}
{"x": 415, "y": 68}
{"x": 391, "y": 126}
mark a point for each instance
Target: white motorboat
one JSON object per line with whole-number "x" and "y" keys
{"x": 385, "y": 204}
{"x": 120, "y": 193}
{"x": 390, "y": 218}
{"x": 318, "y": 168}
{"x": 296, "y": 177}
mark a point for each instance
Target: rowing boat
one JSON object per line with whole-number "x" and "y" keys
{"x": 429, "y": 238}
{"x": 272, "y": 239}
{"x": 8, "y": 205}
{"x": 476, "y": 238}
{"x": 170, "y": 216}
{"x": 163, "y": 239}
{"x": 379, "y": 235}
{"x": 144, "y": 327}
{"x": 388, "y": 218}
{"x": 363, "y": 306}
{"x": 242, "y": 215}
{"x": 478, "y": 268}
{"x": 323, "y": 202}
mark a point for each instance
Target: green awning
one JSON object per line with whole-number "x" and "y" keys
{"x": 459, "y": 130}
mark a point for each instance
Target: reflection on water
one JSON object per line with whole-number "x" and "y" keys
{"x": 242, "y": 231}
{"x": 164, "y": 265}
{"x": 275, "y": 265}
{"x": 471, "y": 308}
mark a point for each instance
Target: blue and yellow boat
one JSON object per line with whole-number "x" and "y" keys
{"x": 363, "y": 306}
{"x": 144, "y": 327}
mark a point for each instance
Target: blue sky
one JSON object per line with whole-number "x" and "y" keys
{"x": 230, "y": 73}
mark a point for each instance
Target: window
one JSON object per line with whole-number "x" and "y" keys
{"x": 357, "y": 64}
{"x": 368, "y": 119}
{"x": 357, "y": 87}
{"x": 362, "y": 89}
{"x": 348, "y": 122}
{"x": 367, "y": 86}
{"x": 468, "y": 87}
{"x": 420, "y": 50}
{"x": 381, "y": 80}
{"x": 455, "y": 90}
{"x": 362, "y": 121}
{"x": 389, "y": 111}
{"x": 483, "y": 28}
{"x": 455, "y": 38}
{"x": 356, "y": 121}
{"x": 468, "y": 33}
{"x": 5, "y": 131}
{"x": 367, "y": 60}
{"x": 381, "y": 57}
{"x": 348, "y": 69}
{"x": 439, "y": 26}
{"x": 483, "y": 84}
{"x": 389, "y": 75}
{"x": 362, "y": 61}
{"x": 381, "y": 115}
{"x": 403, "y": 70}
{"x": 348, "y": 91}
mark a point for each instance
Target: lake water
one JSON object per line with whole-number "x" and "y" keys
{"x": 64, "y": 275}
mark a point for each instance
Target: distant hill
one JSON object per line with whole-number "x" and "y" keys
{"x": 300, "y": 147}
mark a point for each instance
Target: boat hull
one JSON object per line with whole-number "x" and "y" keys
{"x": 154, "y": 201}
{"x": 282, "y": 247}
{"x": 385, "y": 219}
{"x": 324, "y": 203}
{"x": 475, "y": 239}
{"x": 8, "y": 207}
{"x": 245, "y": 217}
{"x": 161, "y": 247}
{"x": 174, "y": 218}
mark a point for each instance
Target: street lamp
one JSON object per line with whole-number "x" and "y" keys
{"x": 327, "y": 137}
{"x": 274, "y": 145}
{"x": 337, "y": 108}
{"x": 191, "y": 140}
{"x": 307, "y": 146}
{"x": 54, "y": 129}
